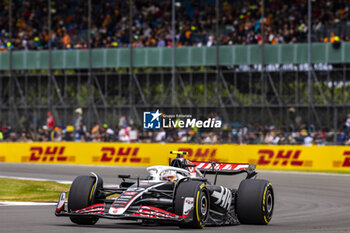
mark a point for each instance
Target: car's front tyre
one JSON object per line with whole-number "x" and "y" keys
{"x": 196, "y": 191}
{"x": 255, "y": 202}
{"x": 81, "y": 196}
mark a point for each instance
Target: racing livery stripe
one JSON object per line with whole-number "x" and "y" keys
{"x": 160, "y": 210}
{"x": 116, "y": 210}
{"x": 221, "y": 166}
{"x": 91, "y": 208}
{"x": 153, "y": 212}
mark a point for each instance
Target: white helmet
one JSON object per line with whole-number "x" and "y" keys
{"x": 169, "y": 175}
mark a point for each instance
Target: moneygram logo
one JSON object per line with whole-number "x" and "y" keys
{"x": 151, "y": 120}
{"x": 156, "y": 120}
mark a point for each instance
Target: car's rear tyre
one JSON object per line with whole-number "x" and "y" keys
{"x": 197, "y": 190}
{"x": 81, "y": 196}
{"x": 255, "y": 202}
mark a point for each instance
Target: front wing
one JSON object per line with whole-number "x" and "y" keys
{"x": 134, "y": 213}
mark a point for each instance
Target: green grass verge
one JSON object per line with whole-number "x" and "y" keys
{"x": 29, "y": 190}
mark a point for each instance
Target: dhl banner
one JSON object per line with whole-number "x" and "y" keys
{"x": 316, "y": 158}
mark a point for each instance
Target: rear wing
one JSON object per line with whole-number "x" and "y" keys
{"x": 225, "y": 168}
{"x": 212, "y": 167}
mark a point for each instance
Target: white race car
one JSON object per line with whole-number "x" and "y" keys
{"x": 179, "y": 193}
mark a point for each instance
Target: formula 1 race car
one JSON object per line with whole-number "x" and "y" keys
{"x": 179, "y": 193}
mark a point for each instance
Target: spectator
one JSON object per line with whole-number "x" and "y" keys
{"x": 123, "y": 135}
{"x": 46, "y": 134}
{"x": 68, "y": 133}
{"x": 240, "y": 23}
{"x": 160, "y": 136}
{"x": 306, "y": 137}
{"x": 79, "y": 117}
{"x": 22, "y": 138}
{"x": 347, "y": 123}
{"x": 133, "y": 134}
{"x": 88, "y": 137}
{"x": 109, "y": 135}
{"x": 252, "y": 133}
{"x": 50, "y": 121}
{"x": 58, "y": 134}
{"x": 123, "y": 121}
{"x": 235, "y": 136}
{"x": 80, "y": 133}
{"x": 341, "y": 137}
{"x": 269, "y": 138}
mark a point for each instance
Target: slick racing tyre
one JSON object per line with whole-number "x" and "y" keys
{"x": 196, "y": 192}
{"x": 255, "y": 202}
{"x": 81, "y": 196}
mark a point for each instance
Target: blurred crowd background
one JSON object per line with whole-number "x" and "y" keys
{"x": 298, "y": 133}
{"x": 240, "y": 23}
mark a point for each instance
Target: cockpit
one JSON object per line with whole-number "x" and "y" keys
{"x": 162, "y": 173}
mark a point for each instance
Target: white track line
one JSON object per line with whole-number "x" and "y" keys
{"x": 140, "y": 167}
{"x": 302, "y": 173}
{"x": 71, "y": 165}
{"x": 25, "y": 203}
{"x": 36, "y": 179}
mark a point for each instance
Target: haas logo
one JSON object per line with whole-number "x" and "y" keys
{"x": 189, "y": 201}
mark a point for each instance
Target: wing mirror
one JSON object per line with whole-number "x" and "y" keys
{"x": 123, "y": 176}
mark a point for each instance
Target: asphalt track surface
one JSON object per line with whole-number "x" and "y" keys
{"x": 304, "y": 203}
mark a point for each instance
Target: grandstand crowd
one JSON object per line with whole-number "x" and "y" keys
{"x": 126, "y": 131}
{"x": 240, "y": 23}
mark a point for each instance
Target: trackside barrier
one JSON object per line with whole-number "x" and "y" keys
{"x": 316, "y": 158}
{"x": 185, "y": 56}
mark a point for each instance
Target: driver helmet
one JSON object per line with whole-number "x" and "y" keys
{"x": 168, "y": 175}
